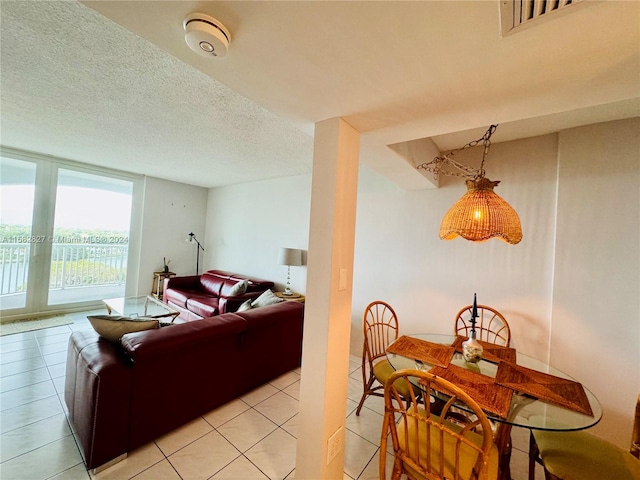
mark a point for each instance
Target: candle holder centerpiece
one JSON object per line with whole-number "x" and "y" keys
{"x": 471, "y": 348}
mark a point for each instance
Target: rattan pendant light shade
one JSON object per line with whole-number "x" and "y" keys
{"x": 481, "y": 214}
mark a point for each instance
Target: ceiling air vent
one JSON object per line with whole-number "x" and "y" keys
{"x": 515, "y": 15}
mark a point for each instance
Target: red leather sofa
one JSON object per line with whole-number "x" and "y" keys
{"x": 123, "y": 395}
{"x": 209, "y": 294}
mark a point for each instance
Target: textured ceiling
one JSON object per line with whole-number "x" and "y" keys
{"x": 121, "y": 88}
{"x": 78, "y": 86}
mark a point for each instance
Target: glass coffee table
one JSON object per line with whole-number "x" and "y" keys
{"x": 144, "y": 306}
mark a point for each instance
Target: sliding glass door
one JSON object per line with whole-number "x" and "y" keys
{"x": 17, "y": 194}
{"x": 90, "y": 237}
{"x": 64, "y": 235}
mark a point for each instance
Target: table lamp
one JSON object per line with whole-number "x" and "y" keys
{"x": 291, "y": 257}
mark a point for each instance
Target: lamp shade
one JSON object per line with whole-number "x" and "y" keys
{"x": 481, "y": 214}
{"x": 290, "y": 256}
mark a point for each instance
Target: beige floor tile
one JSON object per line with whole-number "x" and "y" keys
{"x": 19, "y": 380}
{"x": 17, "y": 337}
{"x": 160, "y": 471}
{"x": 374, "y": 403}
{"x": 275, "y": 455}
{"x": 240, "y": 468}
{"x": 204, "y": 457}
{"x": 14, "y": 368}
{"x": 54, "y": 347}
{"x": 354, "y": 387}
{"x": 352, "y": 406}
{"x": 259, "y": 394}
{"x": 291, "y": 426}
{"x": 278, "y": 408}
{"x": 33, "y": 436}
{"x": 59, "y": 383}
{"x": 183, "y": 436}
{"x": 372, "y": 470}
{"x": 136, "y": 462}
{"x": 368, "y": 425}
{"x": 44, "y": 462}
{"x": 17, "y": 355}
{"x": 520, "y": 466}
{"x": 58, "y": 370}
{"x": 283, "y": 381}
{"x": 520, "y": 439}
{"x": 247, "y": 429}
{"x": 79, "y": 472}
{"x": 293, "y": 390}
{"x": 55, "y": 358}
{"x": 226, "y": 412}
{"x": 52, "y": 332}
{"x": 31, "y": 412}
{"x": 17, "y": 345}
{"x": 28, "y": 394}
{"x": 357, "y": 453}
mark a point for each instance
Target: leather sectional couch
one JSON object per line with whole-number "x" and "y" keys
{"x": 209, "y": 294}
{"x": 122, "y": 395}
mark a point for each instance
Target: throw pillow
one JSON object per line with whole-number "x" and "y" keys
{"x": 113, "y": 327}
{"x": 245, "y": 306}
{"x": 239, "y": 288}
{"x": 267, "y": 298}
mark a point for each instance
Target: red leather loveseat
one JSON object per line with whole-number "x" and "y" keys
{"x": 209, "y": 294}
{"x": 123, "y": 395}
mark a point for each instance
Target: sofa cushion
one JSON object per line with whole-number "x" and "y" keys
{"x": 179, "y": 297}
{"x": 267, "y": 298}
{"x": 231, "y": 288}
{"x": 245, "y": 306}
{"x": 113, "y": 327}
{"x": 212, "y": 283}
{"x": 203, "y": 306}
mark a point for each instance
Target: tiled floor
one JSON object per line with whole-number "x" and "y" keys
{"x": 253, "y": 437}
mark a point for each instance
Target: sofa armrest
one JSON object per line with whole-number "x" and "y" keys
{"x": 191, "y": 282}
{"x": 98, "y": 389}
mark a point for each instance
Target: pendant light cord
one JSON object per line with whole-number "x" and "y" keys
{"x": 442, "y": 165}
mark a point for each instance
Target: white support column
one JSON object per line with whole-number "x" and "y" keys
{"x": 327, "y": 325}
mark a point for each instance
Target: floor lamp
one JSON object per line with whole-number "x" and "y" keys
{"x": 192, "y": 239}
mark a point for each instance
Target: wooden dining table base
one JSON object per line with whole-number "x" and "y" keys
{"x": 502, "y": 439}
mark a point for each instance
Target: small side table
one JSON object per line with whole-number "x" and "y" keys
{"x": 158, "y": 283}
{"x": 295, "y": 297}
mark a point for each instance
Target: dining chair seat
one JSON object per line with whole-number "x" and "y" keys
{"x": 583, "y": 456}
{"x": 383, "y": 370}
{"x": 467, "y": 455}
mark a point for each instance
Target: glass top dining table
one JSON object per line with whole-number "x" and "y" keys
{"x": 525, "y": 411}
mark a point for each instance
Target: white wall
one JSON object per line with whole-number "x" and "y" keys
{"x": 595, "y": 330}
{"x": 542, "y": 285}
{"x": 247, "y": 224}
{"x": 171, "y": 210}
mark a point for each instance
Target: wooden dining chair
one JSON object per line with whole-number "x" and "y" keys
{"x": 491, "y": 326}
{"x": 583, "y": 456}
{"x": 380, "y": 329}
{"x": 426, "y": 445}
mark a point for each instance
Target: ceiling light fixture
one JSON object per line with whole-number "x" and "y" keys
{"x": 480, "y": 214}
{"x": 205, "y": 35}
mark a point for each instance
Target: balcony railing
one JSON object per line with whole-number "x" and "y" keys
{"x": 72, "y": 265}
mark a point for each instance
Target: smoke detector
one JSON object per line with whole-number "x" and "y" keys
{"x": 205, "y": 35}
